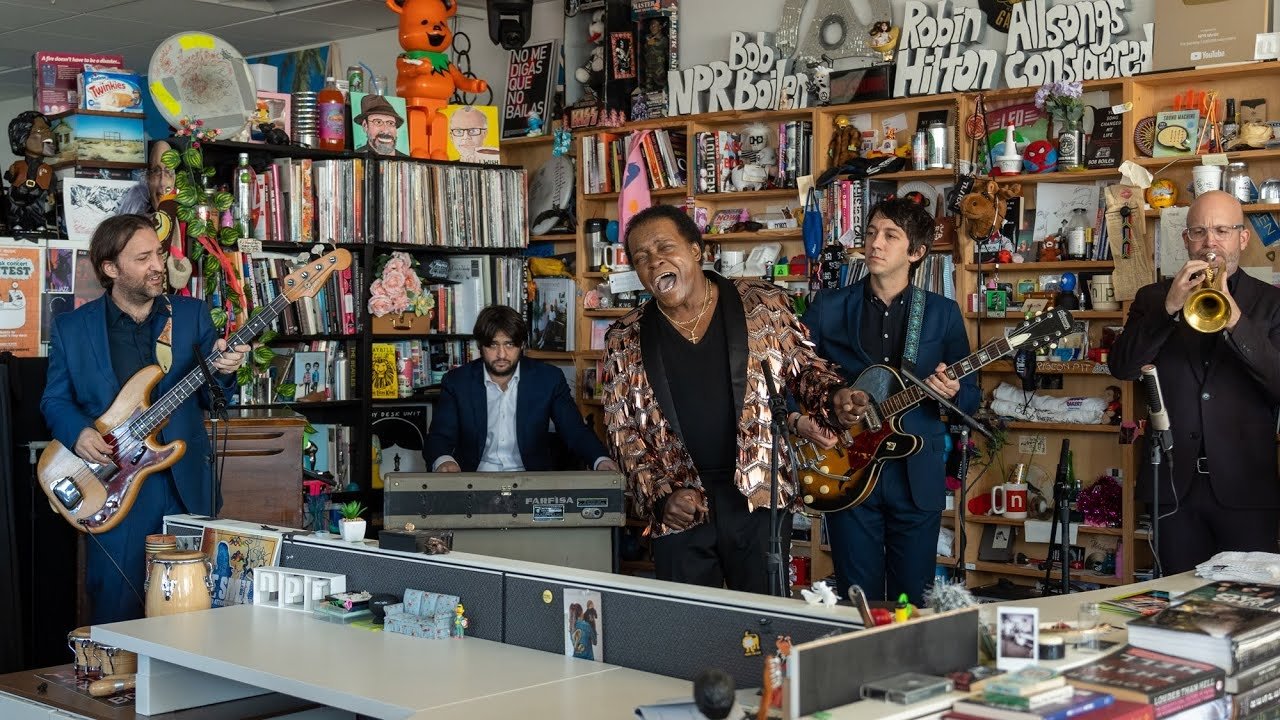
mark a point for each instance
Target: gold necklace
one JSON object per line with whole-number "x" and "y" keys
{"x": 685, "y": 324}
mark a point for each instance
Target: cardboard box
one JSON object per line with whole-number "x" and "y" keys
{"x": 54, "y": 77}
{"x": 110, "y": 91}
{"x": 1198, "y": 33}
{"x": 115, "y": 138}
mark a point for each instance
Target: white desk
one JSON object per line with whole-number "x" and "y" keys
{"x": 210, "y": 656}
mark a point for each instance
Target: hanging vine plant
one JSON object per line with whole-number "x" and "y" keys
{"x": 200, "y": 209}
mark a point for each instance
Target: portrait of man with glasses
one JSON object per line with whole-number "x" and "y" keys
{"x": 468, "y": 131}
{"x": 383, "y": 126}
{"x": 1212, "y": 332}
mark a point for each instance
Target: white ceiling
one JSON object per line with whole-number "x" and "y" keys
{"x": 133, "y": 28}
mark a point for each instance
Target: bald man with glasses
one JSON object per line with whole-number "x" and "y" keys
{"x": 1222, "y": 391}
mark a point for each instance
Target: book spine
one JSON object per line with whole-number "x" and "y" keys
{"x": 1096, "y": 703}
{"x": 1260, "y": 699}
{"x": 1255, "y": 650}
{"x": 1198, "y": 693}
{"x": 1254, "y": 676}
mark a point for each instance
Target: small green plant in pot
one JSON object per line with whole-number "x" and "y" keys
{"x": 352, "y": 524}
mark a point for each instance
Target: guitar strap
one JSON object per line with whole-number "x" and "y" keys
{"x": 915, "y": 321}
{"x": 164, "y": 343}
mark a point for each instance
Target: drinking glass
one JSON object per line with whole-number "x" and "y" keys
{"x": 1088, "y": 620}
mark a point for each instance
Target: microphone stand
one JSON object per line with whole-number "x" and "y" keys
{"x": 962, "y": 471}
{"x": 1160, "y": 445}
{"x": 1061, "y": 521}
{"x": 778, "y": 426}
{"x": 217, "y": 413}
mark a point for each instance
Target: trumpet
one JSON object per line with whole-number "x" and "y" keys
{"x": 1206, "y": 309}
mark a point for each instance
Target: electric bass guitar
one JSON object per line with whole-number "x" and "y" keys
{"x": 844, "y": 476}
{"x": 95, "y": 497}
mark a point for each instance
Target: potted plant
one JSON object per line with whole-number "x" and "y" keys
{"x": 398, "y": 300}
{"x": 351, "y": 523}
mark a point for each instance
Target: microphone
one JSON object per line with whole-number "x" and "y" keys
{"x": 1155, "y": 400}
{"x": 1024, "y": 365}
{"x": 218, "y": 399}
{"x": 777, "y": 403}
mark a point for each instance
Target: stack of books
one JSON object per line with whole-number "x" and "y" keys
{"x": 1232, "y": 626}
{"x": 1168, "y": 684}
{"x": 1032, "y": 693}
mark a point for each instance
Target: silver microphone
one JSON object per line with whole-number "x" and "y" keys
{"x": 1158, "y": 414}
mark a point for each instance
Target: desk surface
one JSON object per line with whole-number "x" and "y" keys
{"x": 386, "y": 675}
{"x": 1054, "y": 607}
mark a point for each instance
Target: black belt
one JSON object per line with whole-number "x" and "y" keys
{"x": 1202, "y": 465}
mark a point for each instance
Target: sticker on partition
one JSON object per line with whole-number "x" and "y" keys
{"x": 547, "y": 597}
{"x": 750, "y": 644}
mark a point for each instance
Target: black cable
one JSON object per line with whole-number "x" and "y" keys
{"x": 134, "y": 590}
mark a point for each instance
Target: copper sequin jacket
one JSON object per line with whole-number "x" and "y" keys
{"x": 643, "y": 432}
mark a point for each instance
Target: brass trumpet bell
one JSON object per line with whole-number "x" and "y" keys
{"x": 1206, "y": 309}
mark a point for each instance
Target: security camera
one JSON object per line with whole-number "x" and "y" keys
{"x": 509, "y": 22}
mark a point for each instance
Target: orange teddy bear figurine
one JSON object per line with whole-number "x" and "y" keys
{"x": 425, "y": 77}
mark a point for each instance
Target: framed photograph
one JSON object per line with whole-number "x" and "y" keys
{"x": 997, "y": 543}
{"x": 623, "y": 49}
{"x": 583, "y": 626}
{"x": 1017, "y": 637}
{"x": 1035, "y": 305}
{"x": 473, "y": 133}
{"x": 273, "y": 108}
{"x": 378, "y": 125}
{"x": 88, "y": 202}
{"x": 311, "y": 376}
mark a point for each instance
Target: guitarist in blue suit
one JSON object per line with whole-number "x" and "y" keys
{"x": 492, "y": 413}
{"x": 887, "y": 545}
{"x": 94, "y": 351}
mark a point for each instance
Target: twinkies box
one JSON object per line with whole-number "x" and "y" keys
{"x": 55, "y": 78}
{"x": 110, "y": 91}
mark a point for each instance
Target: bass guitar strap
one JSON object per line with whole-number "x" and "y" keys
{"x": 915, "y": 321}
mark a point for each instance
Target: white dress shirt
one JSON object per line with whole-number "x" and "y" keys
{"x": 501, "y": 450}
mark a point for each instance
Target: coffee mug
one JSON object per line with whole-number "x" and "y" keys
{"x": 732, "y": 262}
{"x": 615, "y": 255}
{"x": 1205, "y": 178}
{"x": 1103, "y": 293}
{"x": 1010, "y": 500}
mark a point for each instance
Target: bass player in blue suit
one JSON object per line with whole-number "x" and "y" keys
{"x": 493, "y": 412}
{"x": 94, "y": 351}
{"x": 888, "y": 544}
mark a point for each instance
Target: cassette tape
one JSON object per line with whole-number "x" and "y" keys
{"x": 907, "y": 688}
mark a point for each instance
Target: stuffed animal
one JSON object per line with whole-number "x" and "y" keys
{"x": 983, "y": 209}
{"x": 425, "y": 76}
{"x": 1040, "y": 157}
{"x": 1049, "y": 250}
{"x": 591, "y": 74}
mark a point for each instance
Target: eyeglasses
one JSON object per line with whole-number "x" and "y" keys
{"x": 1199, "y": 233}
{"x": 463, "y": 132}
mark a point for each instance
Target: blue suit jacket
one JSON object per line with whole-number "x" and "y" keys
{"x": 834, "y": 320}
{"x": 82, "y": 385}
{"x": 460, "y": 421}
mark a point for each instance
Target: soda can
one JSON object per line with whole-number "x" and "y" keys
{"x": 355, "y": 79}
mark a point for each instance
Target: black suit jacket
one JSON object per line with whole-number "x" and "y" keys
{"x": 460, "y": 420}
{"x": 1229, "y": 406}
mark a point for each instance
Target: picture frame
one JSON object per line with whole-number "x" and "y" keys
{"x": 1017, "y": 637}
{"x": 583, "y": 624}
{"x": 997, "y": 543}
{"x": 622, "y": 47}
{"x": 234, "y": 554}
{"x": 379, "y": 112}
{"x": 310, "y": 376}
{"x": 274, "y": 108}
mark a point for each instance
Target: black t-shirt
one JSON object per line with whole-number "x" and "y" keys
{"x": 702, "y": 391}
{"x": 132, "y": 344}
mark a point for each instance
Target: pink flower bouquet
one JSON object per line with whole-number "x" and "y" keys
{"x": 398, "y": 289}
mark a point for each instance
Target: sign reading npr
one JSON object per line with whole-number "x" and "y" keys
{"x": 756, "y": 77}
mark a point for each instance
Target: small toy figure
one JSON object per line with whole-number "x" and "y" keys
{"x": 756, "y": 159}
{"x": 560, "y": 145}
{"x": 1040, "y": 157}
{"x": 460, "y": 622}
{"x": 1112, "y": 413}
{"x": 425, "y": 77}
{"x": 535, "y": 125}
{"x": 30, "y": 178}
{"x": 845, "y": 142}
{"x": 591, "y": 73}
{"x": 655, "y": 56}
{"x": 883, "y": 37}
{"x": 1049, "y": 250}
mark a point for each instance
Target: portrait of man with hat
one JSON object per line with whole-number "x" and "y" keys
{"x": 382, "y": 124}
